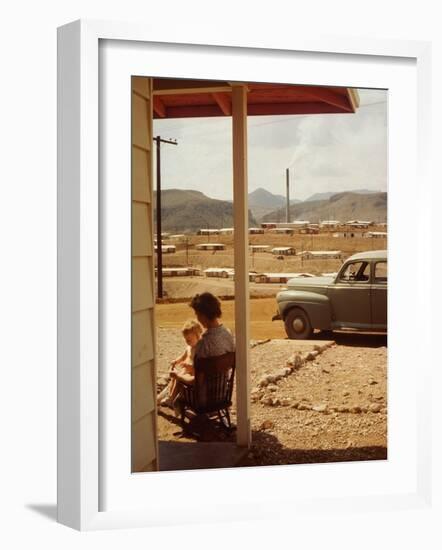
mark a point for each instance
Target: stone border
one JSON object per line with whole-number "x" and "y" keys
{"x": 270, "y": 383}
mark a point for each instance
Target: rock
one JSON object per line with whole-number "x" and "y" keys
{"x": 266, "y": 400}
{"x": 343, "y": 409}
{"x": 374, "y": 408}
{"x": 304, "y": 407}
{"x": 271, "y": 379}
{"x": 345, "y": 393}
{"x": 311, "y": 355}
{"x": 295, "y": 405}
{"x": 308, "y": 422}
{"x": 267, "y": 425}
{"x": 276, "y": 402}
{"x": 356, "y": 410}
{"x": 318, "y": 348}
{"x": 297, "y": 361}
{"x": 263, "y": 382}
{"x": 322, "y": 407}
{"x": 372, "y": 382}
{"x": 286, "y": 402}
{"x": 272, "y": 387}
{"x": 287, "y": 371}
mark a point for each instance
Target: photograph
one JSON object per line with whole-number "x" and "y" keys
{"x": 259, "y": 274}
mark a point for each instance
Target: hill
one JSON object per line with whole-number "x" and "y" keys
{"x": 262, "y": 202}
{"x": 328, "y": 194}
{"x": 341, "y": 206}
{"x": 187, "y": 211}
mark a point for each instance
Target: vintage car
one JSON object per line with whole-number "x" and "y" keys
{"x": 356, "y": 298}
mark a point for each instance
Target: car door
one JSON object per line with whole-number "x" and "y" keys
{"x": 350, "y": 296}
{"x": 379, "y": 295}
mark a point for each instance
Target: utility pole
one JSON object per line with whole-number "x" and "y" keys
{"x": 158, "y": 141}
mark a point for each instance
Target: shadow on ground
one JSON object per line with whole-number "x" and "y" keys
{"x": 49, "y": 511}
{"x": 353, "y": 339}
{"x": 266, "y": 449}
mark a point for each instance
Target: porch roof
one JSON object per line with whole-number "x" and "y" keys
{"x": 180, "y": 98}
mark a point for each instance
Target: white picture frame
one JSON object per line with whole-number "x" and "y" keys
{"x": 79, "y": 438}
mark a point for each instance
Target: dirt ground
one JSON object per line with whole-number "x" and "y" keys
{"x": 332, "y": 408}
{"x": 261, "y": 313}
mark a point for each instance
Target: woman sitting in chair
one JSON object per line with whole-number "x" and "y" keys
{"x": 216, "y": 339}
{"x": 216, "y": 342}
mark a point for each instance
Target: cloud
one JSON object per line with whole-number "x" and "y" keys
{"x": 325, "y": 152}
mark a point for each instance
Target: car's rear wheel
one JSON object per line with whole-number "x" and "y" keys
{"x": 297, "y": 324}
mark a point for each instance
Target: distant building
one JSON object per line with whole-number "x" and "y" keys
{"x": 349, "y": 234}
{"x": 179, "y": 271}
{"x": 358, "y": 223}
{"x": 284, "y": 251}
{"x": 223, "y": 272}
{"x": 321, "y": 254}
{"x": 376, "y": 234}
{"x": 285, "y": 225}
{"x": 278, "y": 277}
{"x": 208, "y": 232}
{"x": 166, "y": 248}
{"x": 256, "y": 230}
{"x": 329, "y": 223}
{"x": 259, "y": 247}
{"x": 309, "y": 230}
{"x": 268, "y": 225}
{"x": 226, "y": 231}
{"x": 180, "y": 237}
{"x": 282, "y": 230}
{"x": 210, "y": 246}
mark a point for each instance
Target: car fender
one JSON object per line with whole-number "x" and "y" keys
{"x": 317, "y": 306}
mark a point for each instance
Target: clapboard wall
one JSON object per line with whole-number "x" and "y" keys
{"x": 144, "y": 440}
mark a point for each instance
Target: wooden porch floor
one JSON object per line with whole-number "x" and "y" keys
{"x": 177, "y": 455}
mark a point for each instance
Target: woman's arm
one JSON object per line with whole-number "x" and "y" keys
{"x": 183, "y": 377}
{"x": 179, "y": 359}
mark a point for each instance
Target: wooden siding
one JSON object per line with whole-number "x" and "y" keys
{"x": 144, "y": 439}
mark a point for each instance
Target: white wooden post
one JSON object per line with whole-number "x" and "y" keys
{"x": 240, "y": 207}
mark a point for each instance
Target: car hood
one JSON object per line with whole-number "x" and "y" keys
{"x": 308, "y": 282}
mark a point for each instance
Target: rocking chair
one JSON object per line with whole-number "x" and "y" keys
{"x": 211, "y": 391}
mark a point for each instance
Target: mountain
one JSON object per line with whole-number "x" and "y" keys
{"x": 262, "y": 202}
{"x": 341, "y": 206}
{"x": 327, "y": 195}
{"x": 262, "y": 197}
{"x": 188, "y": 210}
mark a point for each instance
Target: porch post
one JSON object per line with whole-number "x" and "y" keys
{"x": 240, "y": 207}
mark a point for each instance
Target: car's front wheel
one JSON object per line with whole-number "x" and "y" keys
{"x": 297, "y": 324}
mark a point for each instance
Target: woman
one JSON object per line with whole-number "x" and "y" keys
{"x": 216, "y": 339}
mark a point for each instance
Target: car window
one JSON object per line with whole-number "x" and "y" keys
{"x": 380, "y": 272}
{"x": 356, "y": 271}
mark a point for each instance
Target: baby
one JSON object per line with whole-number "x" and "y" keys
{"x": 182, "y": 366}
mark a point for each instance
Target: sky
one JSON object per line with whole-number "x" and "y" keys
{"x": 331, "y": 152}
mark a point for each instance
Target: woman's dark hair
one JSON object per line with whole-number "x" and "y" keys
{"x": 207, "y": 304}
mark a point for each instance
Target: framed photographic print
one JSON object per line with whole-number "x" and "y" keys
{"x": 223, "y": 221}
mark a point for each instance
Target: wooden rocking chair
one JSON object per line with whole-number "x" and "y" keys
{"x": 211, "y": 391}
